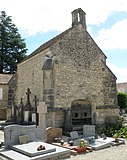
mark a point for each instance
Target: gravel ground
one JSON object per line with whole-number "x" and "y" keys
{"x": 111, "y": 153}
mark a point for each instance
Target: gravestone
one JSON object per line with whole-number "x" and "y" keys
{"x": 74, "y": 135}
{"x": 28, "y": 108}
{"x": 42, "y": 110}
{"x": 12, "y": 133}
{"x": 34, "y": 117}
{"x": 52, "y": 133}
{"x": 88, "y": 130}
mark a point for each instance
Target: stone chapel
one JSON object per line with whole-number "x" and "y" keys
{"x": 69, "y": 73}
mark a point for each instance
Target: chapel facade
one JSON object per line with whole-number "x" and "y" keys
{"x": 69, "y": 73}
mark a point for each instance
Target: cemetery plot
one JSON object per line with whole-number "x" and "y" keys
{"x": 22, "y": 153}
{"x": 30, "y": 149}
{"x": 99, "y": 145}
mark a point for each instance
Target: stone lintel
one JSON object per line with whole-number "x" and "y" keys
{"x": 56, "y": 109}
{"x": 106, "y": 107}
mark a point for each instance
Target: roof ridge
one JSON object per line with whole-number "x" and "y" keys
{"x": 46, "y": 44}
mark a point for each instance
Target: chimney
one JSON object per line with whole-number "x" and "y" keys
{"x": 78, "y": 17}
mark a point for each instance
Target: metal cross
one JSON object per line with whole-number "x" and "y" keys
{"x": 35, "y": 100}
{"x": 28, "y": 95}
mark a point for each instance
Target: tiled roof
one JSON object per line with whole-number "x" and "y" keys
{"x": 5, "y": 78}
{"x": 122, "y": 87}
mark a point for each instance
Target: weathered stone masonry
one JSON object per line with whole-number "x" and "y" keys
{"x": 70, "y": 69}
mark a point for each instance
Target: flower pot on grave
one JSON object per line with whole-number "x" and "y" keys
{"x": 116, "y": 140}
{"x": 80, "y": 149}
{"x": 62, "y": 142}
{"x": 71, "y": 143}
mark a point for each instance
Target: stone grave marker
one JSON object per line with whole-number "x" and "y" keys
{"x": 12, "y": 133}
{"x": 74, "y": 135}
{"x": 34, "y": 117}
{"x": 42, "y": 110}
{"x": 88, "y": 130}
{"x": 52, "y": 133}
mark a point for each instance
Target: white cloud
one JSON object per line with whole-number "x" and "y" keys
{"x": 120, "y": 73}
{"x": 41, "y": 16}
{"x": 113, "y": 38}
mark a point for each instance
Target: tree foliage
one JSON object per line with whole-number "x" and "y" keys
{"x": 122, "y": 99}
{"x": 12, "y": 46}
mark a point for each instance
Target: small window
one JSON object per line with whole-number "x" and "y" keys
{"x": 76, "y": 115}
{"x": 78, "y": 17}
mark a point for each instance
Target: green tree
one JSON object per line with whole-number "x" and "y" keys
{"x": 122, "y": 99}
{"x": 12, "y": 46}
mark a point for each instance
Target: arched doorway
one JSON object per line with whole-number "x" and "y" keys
{"x": 81, "y": 113}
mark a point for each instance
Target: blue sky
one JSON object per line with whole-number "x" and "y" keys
{"x": 39, "y": 21}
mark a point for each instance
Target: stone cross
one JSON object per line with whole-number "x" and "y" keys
{"x": 42, "y": 110}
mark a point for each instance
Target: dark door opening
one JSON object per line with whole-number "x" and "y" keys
{"x": 81, "y": 112}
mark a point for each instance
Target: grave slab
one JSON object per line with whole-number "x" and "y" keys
{"x": 30, "y": 149}
{"x": 97, "y": 145}
{"x": 59, "y": 153}
{"x": 107, "y": 140}
{"x": 102, "y": 143}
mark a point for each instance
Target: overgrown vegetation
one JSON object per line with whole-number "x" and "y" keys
{"x": 113, "y": 132}
{"x": 116, "y": 130}
{"x": 122, "y": 100}
{"x": 122, "y": 133}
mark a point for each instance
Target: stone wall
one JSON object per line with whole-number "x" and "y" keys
{"x": 55, "y": 118}
{"x": 3, "y": 102}
{"x": 30, "y": 75}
